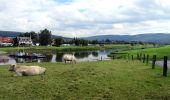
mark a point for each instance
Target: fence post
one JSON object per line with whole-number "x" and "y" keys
{"x": 153, "y": 61}
{"x": 147, "y": 59}
{"x": 132, "y": 57}
{"x": 165, "y": 67}
{"x": 113, "y": 57}
{"x": 137, "y": 56}
{"x": 140, "y": 56}
{"x": 144, "y": 58}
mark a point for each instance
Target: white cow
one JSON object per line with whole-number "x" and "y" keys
{"x": 22, "y": 70}
{"x": 68, "y": 57}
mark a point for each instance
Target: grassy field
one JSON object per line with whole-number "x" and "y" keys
{"x": 102, "y": 80}
{"x": 160, "y": 52}
{"x": 63, "y": 48}
{"x": 132, "y": 50}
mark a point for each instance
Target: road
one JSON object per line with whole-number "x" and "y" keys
{"x": 160, "y": 63}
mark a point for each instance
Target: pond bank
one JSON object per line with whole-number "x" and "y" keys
{"x": 63, "y": 49}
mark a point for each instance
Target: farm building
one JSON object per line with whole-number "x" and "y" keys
{"x": 6, "y": 41}
{"x": 25, "y": 41}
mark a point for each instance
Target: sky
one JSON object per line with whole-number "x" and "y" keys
{"x": 82, "y": 18}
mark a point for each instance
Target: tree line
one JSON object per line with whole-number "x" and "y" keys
{"x": 44, "y": 38}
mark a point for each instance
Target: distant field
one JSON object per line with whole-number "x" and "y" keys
{"x": 115, "y": 79}
{"x": 63, "y": 48}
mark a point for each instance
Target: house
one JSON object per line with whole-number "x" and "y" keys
{"x": 66, "y": 45}
{"x": 25, "y": 41}
{"x": 6, "y": 41}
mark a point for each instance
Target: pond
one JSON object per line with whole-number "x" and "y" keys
{"x": 82, "y": 56}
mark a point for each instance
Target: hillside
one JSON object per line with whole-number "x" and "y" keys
{"x": 15, "y": 34}
{"x": 9, "y": 33}
{"x": 150, "y": 37}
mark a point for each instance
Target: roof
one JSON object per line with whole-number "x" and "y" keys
{"x": 6, "y": 40}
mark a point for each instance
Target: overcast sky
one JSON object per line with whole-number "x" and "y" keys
{"x": 77, "y": 18}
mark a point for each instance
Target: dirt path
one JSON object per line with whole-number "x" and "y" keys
{"x": 160, "y": 63}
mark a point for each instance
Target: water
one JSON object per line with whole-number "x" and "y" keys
{"x": 83, "y": 56}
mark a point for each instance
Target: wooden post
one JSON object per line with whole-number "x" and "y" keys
{"x": 144, "y": 58}
{"x": 140, "y": 56}
{"x": 153, "y": 61}
{"x": 165, "y": 66}
{"x": 147, "y": 59}
{"x": 137, "y": 56}
{"x": 113, "y": 57}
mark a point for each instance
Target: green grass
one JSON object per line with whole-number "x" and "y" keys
{"x": 63, "y": 48}
{"x": 117, "y": 46}
{"x": 125, "y": 51}
{"x": 159, "y": 52}
{"x": 102, "y": 80}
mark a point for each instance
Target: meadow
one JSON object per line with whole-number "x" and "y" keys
{"x": 159, "y": 52}
{"x": 101, "y": 80}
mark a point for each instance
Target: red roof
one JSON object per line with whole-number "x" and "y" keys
{"x": 6, "y": 40}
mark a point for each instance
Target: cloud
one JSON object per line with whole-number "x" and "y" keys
{"x": 79, "y": 18}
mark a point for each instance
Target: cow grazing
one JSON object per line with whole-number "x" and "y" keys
{"x": 70, "y": 58}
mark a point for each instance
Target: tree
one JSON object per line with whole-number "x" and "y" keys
{"x": 108, "y": 41}
{"x": 84, "y": 42}
{"x": 80, "y": 42}
{"x": 45, "y": 37}
{"x": 15, "y": 41}
{"x": 76, "y": 41}
{"x": 94, "y": 42}
{"x": 59, "y": 41}
{"x": 141, "y": 43}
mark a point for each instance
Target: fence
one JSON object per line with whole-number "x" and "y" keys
{"x": 146, "y": 58}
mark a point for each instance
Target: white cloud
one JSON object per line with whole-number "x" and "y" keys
{"x": 77, "y": 18}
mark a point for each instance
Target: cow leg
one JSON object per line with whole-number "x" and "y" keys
{"x": 19, "y": 73}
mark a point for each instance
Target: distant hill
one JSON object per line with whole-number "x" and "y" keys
{"x": 15, "y": 34}
{"x": 9, "y": 33}
{"x": 149, "y": 37}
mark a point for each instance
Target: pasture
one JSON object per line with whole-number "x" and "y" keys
{"x": 159, "y": 52}
{"x": 114, "y": 79}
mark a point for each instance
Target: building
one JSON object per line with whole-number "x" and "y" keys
{"x": 6, "y": 41}
{"x": 25, "y": 41}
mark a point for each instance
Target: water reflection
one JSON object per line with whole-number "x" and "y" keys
{"x": 95, "y": 54}
{"x": 57, "y": 57}
{"x": 80, "y": 55}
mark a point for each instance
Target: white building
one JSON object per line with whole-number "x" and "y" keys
{"x": 25, "y": 41}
